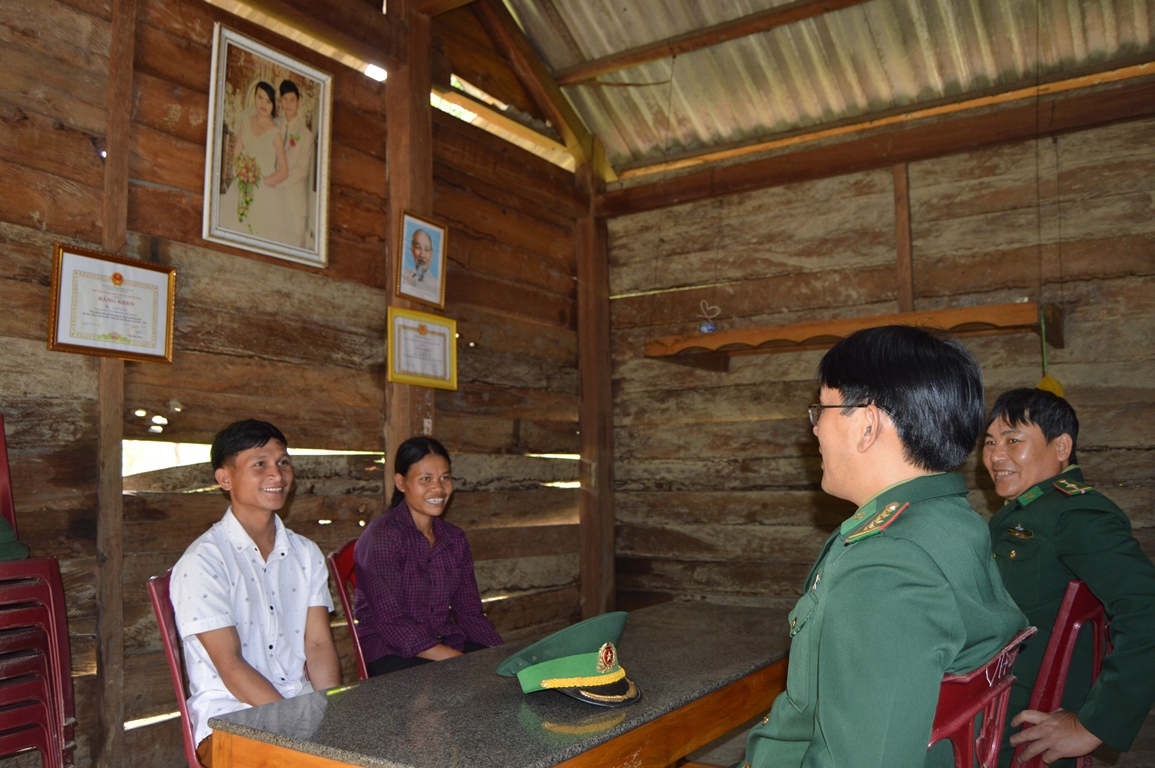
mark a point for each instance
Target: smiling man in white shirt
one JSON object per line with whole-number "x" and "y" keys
{"x": 251, "y": 597}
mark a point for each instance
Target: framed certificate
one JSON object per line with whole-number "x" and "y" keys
{"x": 422, "y": 349}
{"x": 112, "y": 306}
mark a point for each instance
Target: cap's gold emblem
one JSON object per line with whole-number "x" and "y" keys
{"x": 607, "y": 658}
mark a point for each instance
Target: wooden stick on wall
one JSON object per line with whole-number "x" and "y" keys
{"x": 408, "y": 409}
{"x": 595, "y": 407}
{"x": 904, "y": 267}
{"x": 109, "y": 752}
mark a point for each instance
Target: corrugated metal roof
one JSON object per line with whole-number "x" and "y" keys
{"x": 870, "y": 58}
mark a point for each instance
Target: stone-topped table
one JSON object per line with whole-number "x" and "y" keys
{"x": 703, "y": 669}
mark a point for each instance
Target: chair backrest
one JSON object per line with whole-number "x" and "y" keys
{"x": 345, "y": 577}
{"x": 7, "y": 506}
{"x": 19, "y": 580}
{"x": 1079, "y": 607}
{"x": 166, "y": 620}
{"x": 962, "y": 698}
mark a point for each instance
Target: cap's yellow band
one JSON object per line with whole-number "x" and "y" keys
{"x": 578, "y": 682}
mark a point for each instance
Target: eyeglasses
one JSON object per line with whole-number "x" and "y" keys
{"x": 815, "y": 410}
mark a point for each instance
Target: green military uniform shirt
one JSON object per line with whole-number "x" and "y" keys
{"x": 903, "y": 594}
{"x": 10, "y": 547}
{"x": 1060, "y": 530}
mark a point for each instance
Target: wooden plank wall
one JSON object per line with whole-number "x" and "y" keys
{"x": 54, "y": 56}
{"x": 261, "y": 337}
{"x": 717, "y": 474}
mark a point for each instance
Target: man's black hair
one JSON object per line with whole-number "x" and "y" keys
{"x": 1046, "y": 410}
{"x": 926, "y": 380}
{"x": 241, "y": 436}
{"x": 288, "y": 86}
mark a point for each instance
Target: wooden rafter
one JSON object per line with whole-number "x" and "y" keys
{"x": 1045, "y": 116}
{"x": 438, "y": 7}
{"x": 701, "y": 38}
{"x": 535, "y": 76}
{"x": 964, "y": 103}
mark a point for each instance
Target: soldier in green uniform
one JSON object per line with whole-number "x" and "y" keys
{"x": 906, "y": 591}
{"x": 1055, "y": 528}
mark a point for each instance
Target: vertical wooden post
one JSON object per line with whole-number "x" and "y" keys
{"x": 595, "y": 408}
{"x": 109, "y": 749}
{"x": 408, "y": 409}
{"x": 904, "y": 266}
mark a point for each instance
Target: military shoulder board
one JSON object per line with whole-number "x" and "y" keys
{"x": 879, "y": 522}
{"x": 1071, "y": 488}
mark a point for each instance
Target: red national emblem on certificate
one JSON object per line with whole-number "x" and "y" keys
{"x": 117, "y": 278}
{"x": 607, "y": 658}
{"x": 423, "y": 329}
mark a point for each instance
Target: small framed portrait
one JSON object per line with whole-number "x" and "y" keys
{"x": 267, "y": 163}
{"x": 421, "y": 268}
{"x": 107, "y": 305}
{"x": 422, "y": 349}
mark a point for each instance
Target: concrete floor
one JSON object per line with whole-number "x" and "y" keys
{"x": 730, "y": 748}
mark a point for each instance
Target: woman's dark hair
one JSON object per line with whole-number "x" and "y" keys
{"x": 1046, "y": 410}
{"x": 272, "y": 94}
{"x": 241, "y": 436}
{"x": 409, "y": 453}
{"x": 926, "y": 380}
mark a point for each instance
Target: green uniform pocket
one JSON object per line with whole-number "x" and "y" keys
{"x": 1018, "y": 565}
{"x": 798, "y": 669}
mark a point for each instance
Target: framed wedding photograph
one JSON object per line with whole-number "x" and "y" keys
{"x": 267, "y": 162}
{"x": 112, "y": 306}
{"x": 421, "y": 266}
{"x": 422, "y": 349}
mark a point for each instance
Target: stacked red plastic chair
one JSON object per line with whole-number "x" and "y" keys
{"x": 964, "y": 698}
{"x": 35, "y": 667}
{"x": 345, "y": 577}
{"x": 36, "y": 708}
{"x": 1079, "y": 607}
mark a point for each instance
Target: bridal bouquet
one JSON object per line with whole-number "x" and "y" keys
{"x": 248, "y": 175}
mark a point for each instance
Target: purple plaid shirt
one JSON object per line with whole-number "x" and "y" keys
{"x": 406, "y": 590}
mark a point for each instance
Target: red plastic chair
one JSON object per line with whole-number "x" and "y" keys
{"x": 1079, "y": 607}
{"x": 343, "y": 573}
{"x": 31, "y": 735}
{"x": 32, "y": 595}
{"x": 963, "y": 697}
{"x": 7, "y": 507}
{"x": 29, "y": 702}
{"x": 166, "y": 620}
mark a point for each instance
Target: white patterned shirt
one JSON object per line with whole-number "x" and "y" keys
{"x": 221, "y": 581}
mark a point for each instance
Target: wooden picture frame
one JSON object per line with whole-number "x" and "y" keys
{"x": 111, "y": 306}
{"x": 421, "y": 261}
{"x": 422, "y": 349}
{"x": 255, "y": 124}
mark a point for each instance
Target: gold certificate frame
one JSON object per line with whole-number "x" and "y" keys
{"x": 111, "y": 306}
{"x": 422, "y": 349}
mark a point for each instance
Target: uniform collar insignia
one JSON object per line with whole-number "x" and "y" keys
{"x": 1028, "y": 496}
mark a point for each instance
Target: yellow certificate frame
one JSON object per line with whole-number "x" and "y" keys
{"x": 422, "y": 349}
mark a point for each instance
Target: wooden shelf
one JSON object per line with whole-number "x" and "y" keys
{"x": 714, "y": 350}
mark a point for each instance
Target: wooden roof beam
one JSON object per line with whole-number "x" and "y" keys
{"x": 438, "y": 7}
{"x": 1048, "y": 115}
{"x": 535, "y": 76}
{"x": 701, "y": 38}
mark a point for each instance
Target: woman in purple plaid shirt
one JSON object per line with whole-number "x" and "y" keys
{"x": 416, "y": 599}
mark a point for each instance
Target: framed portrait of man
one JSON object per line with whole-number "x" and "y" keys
{"x": 421, "y": 263}
{"x": 267, "y": 163}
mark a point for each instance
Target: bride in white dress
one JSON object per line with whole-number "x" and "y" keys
{"x": 259, "y": 138}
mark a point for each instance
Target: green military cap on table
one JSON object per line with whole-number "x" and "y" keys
{"x": 580, "y": 661}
